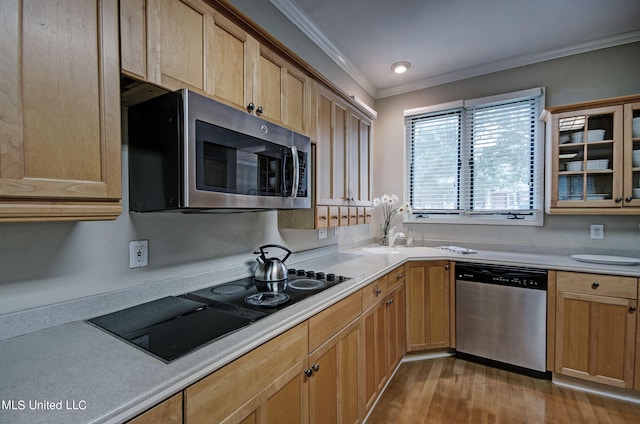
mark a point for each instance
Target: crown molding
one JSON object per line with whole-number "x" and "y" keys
{"x": 292, "y": 12}
{"x": 510, "y": 63}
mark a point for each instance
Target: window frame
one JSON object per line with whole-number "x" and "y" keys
{"x": 462, "y": 216}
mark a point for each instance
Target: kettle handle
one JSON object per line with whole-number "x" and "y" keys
{"x": 262, "y": 252}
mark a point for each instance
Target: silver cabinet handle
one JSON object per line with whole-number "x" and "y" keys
{"x": 595, "y": 285}
{"x": 378, "y": 291}
{"x": 308, "y": 372}
{"x": 315, "y": 367}
{"x": 632, "y": 309}
{"x": 260, "y": 110}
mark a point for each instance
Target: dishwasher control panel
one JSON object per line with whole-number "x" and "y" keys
{"x": 503, "y": 275}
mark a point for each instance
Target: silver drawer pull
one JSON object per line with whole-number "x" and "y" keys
{"x": 595, "y": 285}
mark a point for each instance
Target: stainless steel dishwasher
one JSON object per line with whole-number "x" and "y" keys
{"x": 501, "y": 317}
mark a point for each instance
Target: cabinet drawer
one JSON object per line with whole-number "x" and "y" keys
{"x": 324, "y": 325}
{"x": 322, "y": 216}
{"x": 375, "y": 292}
{"x": 597, "y": 284}
{"x": 396, "y": 277}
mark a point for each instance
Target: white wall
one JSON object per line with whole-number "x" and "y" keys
{"x": 606, "y": 73}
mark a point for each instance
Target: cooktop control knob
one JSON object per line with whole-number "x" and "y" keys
{"x": 300, "y": 272}
{"x": 341, "y": 278}
{"x": 292, "y": 270}
{"x": 331, "y": 277}
{"x": 319, "y": 275}
{"x": 310, "y": 273}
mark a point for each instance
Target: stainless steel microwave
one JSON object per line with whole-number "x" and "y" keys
{"x": 188, "y": 152}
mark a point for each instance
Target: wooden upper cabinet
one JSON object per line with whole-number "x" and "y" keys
{"x": 231, "y": 67}
{"x": 281, "y": 92}
{"x": 60, "y": 113}
{"x": 188, "y": 44}
{"x": 133, "y": 38}
{"x": 359, "y": 151}
{"x": 590, "y": 168}
{"x": 177, "y": 39}
{"x": 331, "y": 119}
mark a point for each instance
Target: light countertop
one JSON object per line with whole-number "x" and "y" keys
{"x": 77, "y": 373}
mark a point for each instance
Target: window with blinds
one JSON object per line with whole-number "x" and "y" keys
{"x": 477, "y": 160}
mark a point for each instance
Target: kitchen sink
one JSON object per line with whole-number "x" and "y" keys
{"x": 383, "y": 250}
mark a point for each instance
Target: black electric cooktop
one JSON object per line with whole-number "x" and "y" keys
{"x": 173, "y": 326}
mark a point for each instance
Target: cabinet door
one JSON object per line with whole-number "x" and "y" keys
{"x": 332, "y": 117}
{"x": 231, "y": 67}
{"x": 60, "y": 114}
{"x": 631, "y": 185}
{"x": 427, "y": 305}
{"x": 358, "y": 158}
{"x": 238, "y": 389}
{"x": 396, "y": 327}
{"x": 595, "y": 338}
{"x": 281, "y": 92}
{"x": 167, "y": 412}
{"x": 586, "y": 159}
{"x": 334, "y": 395}
{"x": 133, "y": 38}
{"x": 375, "y": 348}
{"x": 289, "y": 405}
{"x": 178, "y": 34}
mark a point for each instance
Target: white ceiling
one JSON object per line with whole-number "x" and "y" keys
{"x": 449, "y": 40}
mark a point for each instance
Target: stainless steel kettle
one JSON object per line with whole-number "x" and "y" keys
{"x": 272, "y": 270}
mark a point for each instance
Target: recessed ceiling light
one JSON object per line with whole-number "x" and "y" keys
{"x": 400, "y": 67}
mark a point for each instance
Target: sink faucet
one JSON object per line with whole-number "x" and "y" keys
{"x": 393, "y": 236}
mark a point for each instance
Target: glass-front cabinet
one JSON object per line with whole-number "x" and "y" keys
{"x": 593, "y": 158}
{"x": 632, "y": 153}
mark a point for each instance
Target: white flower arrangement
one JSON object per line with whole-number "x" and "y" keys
{"x": 387, "y": 202}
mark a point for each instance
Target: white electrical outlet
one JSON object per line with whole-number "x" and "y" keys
{"x": 322, "y": 233}
{"x": 597, "y": 231}
{"x": 138, "y": 253}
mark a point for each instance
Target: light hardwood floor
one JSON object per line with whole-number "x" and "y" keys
{"x": 450, "y": 390}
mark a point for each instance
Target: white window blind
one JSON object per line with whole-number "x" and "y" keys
{"x": 481, "y": 159}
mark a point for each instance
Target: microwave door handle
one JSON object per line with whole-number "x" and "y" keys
{"x": 296, "y": 171}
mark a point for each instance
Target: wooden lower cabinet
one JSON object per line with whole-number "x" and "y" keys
{"x": 334, "y": 363}
{"x": 375, "y": 362}
{"x": 396, "y": 318}
{"x": 288, "y": 405}
{"x": 167, "y": 412}
{"x": 253, "y": 384}
{"x": 334, "y": 394}
{"x": 596, "y": 327}
{"x": 384, "y": 332}
{"x": 428, "y": 307}
{"x": 328, "y": 369}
